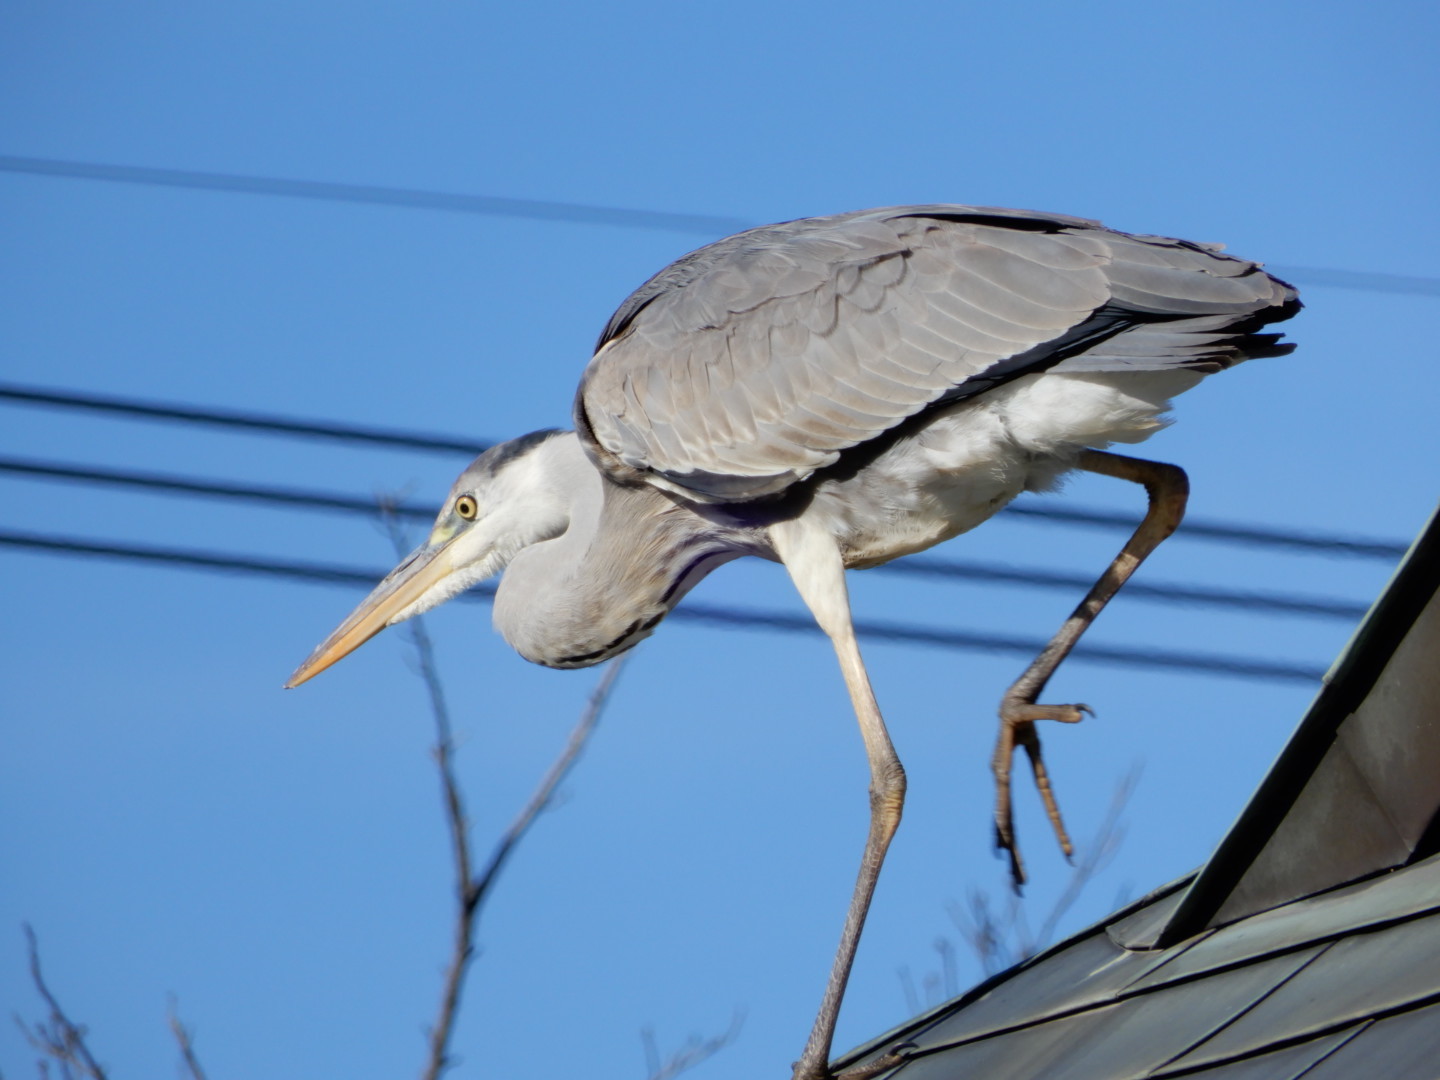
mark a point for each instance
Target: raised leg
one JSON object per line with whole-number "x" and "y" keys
{"x": 1168, "y": 489}
{"x": 814, "y": 563}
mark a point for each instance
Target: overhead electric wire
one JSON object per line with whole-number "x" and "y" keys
{"x": 410, "y": 198}
{"x": 1225, "y": 532}
{"x": 265, "y": 423}
{"x": 169, "y": 483}
{"x": 1167, "y": 593}
{"x": 1204, "y": 663}
{"x": 1364, "y": 280}
{"x": 712, "y": 225}
{"x": 914, "y": 565}
{"x": 235, "y": 418}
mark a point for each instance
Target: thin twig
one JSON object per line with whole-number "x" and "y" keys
{"x": 467, "y": 900}
{"x": 57, "y": 1036}
{"x": 472, "y": 889}
{"x": 907, "y": 984}
{"x": 1002, "y": 938}
{"x": 1096, "y": 855}
{"x": 186, "y": 1042}
{"x": 463, "y": 950}
{"x": 545, "y": 791}
{"x": 691, "y": 1054}
{"x": 949, "y": 977}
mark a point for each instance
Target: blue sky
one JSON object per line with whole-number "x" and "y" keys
{"x": 171, "y": 822}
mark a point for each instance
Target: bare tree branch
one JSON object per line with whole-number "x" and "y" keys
{"x": 913, "y": 1006}
{"x": 689, "y": 1055}
{"x": 185, "y": 1040}
{"x": 949, "y": 979}
{"x": 1097, "y": 855}
{"x": 57, "y": 1037}
{"x": 62, "y": 1042}
{"x": 545, "y": 793}
{"x": 472, "y": 889}
{"x": 467, "y": 899}
{"x": 463, "y": 950}
{"x": 1000, "y": 938}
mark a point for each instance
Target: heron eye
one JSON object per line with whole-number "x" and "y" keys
{"x": 467, "y": 507}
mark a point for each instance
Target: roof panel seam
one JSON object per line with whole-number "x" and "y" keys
{"x": 1262, "y": 1051}
{"x": 1249, "y": 1006}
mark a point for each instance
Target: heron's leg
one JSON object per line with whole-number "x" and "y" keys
{"x": 815, "y": 566}
{"x": 1168, "y": 490}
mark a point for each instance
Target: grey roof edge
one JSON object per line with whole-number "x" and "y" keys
{"x": 917, "y": 1023}
{"x": 915, "y": 1040}
{"x": 1354, "y": 673}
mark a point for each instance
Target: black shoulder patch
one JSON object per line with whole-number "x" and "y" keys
{"x": 502, "y": 454}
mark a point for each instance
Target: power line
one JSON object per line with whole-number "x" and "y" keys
{"x": 923, "y": 566}
{"x": 227, "y": 418}
{"x": 1225, "y": 532}
{"x": 1195, "y": 528}
{"x": 1204, "y": 663}
{"x": 915, "y": 565}
{"x": 170, "y": 484}
{"x": 410, "y": 198}
{"x": 712, "y": 225}
{"x": 1368, "y": 281}
{"x": 1167, "y": 593}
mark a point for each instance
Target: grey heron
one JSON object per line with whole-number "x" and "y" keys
{"x": 834, "y": 393}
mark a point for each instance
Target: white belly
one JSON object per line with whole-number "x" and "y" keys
{"x": 971, "y": 460}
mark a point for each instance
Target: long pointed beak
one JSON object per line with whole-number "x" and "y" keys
{"x": 421, "y": 569}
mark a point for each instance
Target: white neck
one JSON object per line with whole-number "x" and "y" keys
{"x": 625, "y": 557}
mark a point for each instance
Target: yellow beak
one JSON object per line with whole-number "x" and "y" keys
{"x": 422, "y": 568}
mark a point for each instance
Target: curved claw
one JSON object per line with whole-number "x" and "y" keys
{"x": 1004, "y": 806}
{"x": 1017, "y": 727}
{"x": 1006, "y": 844}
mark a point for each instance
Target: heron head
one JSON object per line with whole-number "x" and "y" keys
{"x": 499, "y": 505}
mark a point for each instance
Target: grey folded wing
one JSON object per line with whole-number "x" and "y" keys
{"x": 752, "y": 363}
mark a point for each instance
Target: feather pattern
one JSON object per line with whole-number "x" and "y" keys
{"x": 749, "y": 365}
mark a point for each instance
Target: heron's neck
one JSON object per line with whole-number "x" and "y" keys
{"x": 625, "y": 558}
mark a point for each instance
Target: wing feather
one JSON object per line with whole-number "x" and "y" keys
{"x": 750, "y": 364}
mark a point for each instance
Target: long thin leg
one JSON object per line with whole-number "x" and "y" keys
{"x": 1168, "y": 489}
{"x": 815, "y": 566}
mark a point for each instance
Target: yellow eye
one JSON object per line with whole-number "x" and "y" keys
{"x": 467, "y": 507}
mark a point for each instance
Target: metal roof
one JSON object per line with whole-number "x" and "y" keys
{"x": 1309, "y": 944}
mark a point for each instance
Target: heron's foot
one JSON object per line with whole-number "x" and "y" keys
{"x": 860, "y": 1072}
{"x": 1017, "y": 728}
